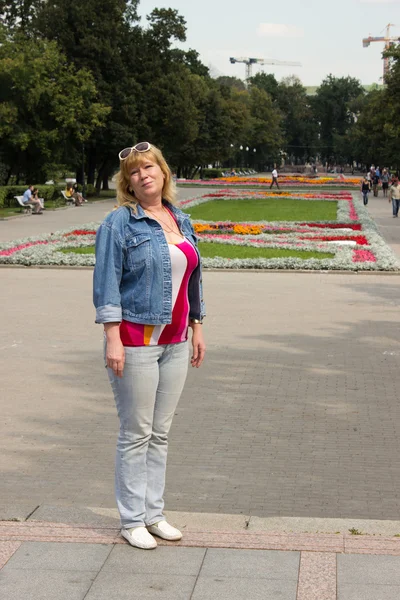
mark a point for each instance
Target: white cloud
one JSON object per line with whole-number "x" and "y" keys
{"x": 277, "y": 30}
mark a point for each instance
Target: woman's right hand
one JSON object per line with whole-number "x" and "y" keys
{"x": 115, "y": 352}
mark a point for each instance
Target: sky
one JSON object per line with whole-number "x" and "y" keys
{"x": 326, "y": 37}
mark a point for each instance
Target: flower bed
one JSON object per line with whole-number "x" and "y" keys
{"x": 353, "y": 239}
{"x": 292, "y": 180}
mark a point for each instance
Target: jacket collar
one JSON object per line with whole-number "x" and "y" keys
{"x": 140, "y": 214}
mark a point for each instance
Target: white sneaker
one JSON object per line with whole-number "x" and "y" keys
{"x": 139, "y": 537}
{"x": 165, "y": 531}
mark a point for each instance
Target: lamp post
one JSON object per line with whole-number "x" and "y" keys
{"x": 83, "y": 170}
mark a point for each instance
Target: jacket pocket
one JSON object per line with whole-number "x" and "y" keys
{"x": 138, "y": 249}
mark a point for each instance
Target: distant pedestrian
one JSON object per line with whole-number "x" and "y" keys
{"x": 369, "y": 179}
{"x": 375, "y": 183}
{"x": 385, "y": 182}
{"x": 394, "y": 196}
{"x": 365, "y": 191}
{"x": 274, "y": 178}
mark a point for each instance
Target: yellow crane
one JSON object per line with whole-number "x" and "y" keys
{"x": 388, "y": 41}
{"x": 249, "y": 62}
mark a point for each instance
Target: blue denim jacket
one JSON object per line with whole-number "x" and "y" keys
{"x": 132, "y": 278}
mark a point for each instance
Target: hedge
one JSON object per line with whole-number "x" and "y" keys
{"x": 7, "y": 193}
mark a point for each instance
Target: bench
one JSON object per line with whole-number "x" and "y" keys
{"x": 68, "y": 199}
{"x": 27, "y": 208}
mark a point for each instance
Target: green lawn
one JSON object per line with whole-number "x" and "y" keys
{"x": 268, "y": 209}
{"x": 84, "y": 250}
{"x": 209, "y": 250}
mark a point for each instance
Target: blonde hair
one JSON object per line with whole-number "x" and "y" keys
{"x": 126, "y": 197}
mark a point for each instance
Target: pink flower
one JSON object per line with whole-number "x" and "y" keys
{"x": 21, "y": 247}
{"x": 363, "y": 256}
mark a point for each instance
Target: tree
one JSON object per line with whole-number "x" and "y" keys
{"x": 299, "y": 127}
{"x": 99, "y": 35}
{"x": 17, "y": 16}
{"x": 226, "y": 81}
{"x": 264, "y": 130}
{"x": 374, "y": 138}
{"x": 266, "y": 82}
{"x": 332, "y": 109}
{"x": 39, "y": 119}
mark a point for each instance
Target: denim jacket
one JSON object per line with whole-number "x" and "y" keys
{"x": 132, "y": 278}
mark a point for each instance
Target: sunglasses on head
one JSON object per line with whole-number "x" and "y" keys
{"x": 140, "y": 147}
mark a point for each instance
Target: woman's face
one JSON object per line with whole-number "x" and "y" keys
{"x": 147, "y": 181}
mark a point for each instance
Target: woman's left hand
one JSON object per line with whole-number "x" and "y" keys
{"x": 199, "y": 347}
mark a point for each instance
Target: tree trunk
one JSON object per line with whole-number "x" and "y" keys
{"x": 105, "y": 180}
{"x": 99, "y": 178}
{"x": 8, "y": 176}
{"x": 91, "y": 166}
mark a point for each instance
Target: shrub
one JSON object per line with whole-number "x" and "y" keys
{"x": 211, "y": 173}
{"x": 90, "y": 190}
{"x": 7, "y": 193}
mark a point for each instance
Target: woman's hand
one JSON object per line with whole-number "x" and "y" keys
{"x": 115, "y": 353}
{"x": 199, "y": 347}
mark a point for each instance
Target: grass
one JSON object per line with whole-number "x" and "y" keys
{"x": 209, "y": 250}
{"x": 268, "y": 209}
{"x": 85, "y": 250}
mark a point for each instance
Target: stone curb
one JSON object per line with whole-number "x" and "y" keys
{"x": 37, "y": 531}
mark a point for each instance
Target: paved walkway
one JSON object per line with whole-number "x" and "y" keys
{"x": 57, "y": 561}
{"x": 290, "y": 429}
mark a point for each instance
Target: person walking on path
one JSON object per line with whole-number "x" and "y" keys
{"x": 147, "y": 291}
{"x": 369, "y": 179}
{"x": 274, "y": 178}
{"x": 375, "y": 183}
{"x": 394, "y": 196}
{"x": 365, "y": 190}
{"x": 385, "y": 182}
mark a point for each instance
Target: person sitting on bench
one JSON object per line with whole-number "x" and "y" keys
{"x": 72, "y": 192}
{"x": 29, "y": 198}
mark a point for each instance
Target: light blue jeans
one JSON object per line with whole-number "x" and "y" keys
{"x": 146, "y": 398}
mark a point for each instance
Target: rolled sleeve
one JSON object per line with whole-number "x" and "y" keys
{"x": 108, "y": 314}
{"x": 108, "y": 274}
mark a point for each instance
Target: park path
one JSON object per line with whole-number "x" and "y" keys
{"x": 291, "y": 426}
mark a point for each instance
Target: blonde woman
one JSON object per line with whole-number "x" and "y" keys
{"x": 147, "y": 293}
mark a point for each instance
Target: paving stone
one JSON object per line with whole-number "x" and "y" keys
{"x": 163, "y": 560}
{"x": 288, "y": 416}
{"x": 221, "y": 588}
{"x": 251, "y": 563}
{"x": 151, "y": 586}
{"x": 368, "y": 569}
{"x": 32, "y": 584}
{"x": 348, "y": 591}
{"x": 77, "y": 514}
{"x": 58, "y": 556}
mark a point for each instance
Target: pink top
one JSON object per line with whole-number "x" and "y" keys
{"x": 184, "y": 260}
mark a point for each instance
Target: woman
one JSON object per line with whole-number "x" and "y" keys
{"x": 147, "y": 292}
{"x": 385, "y": 182}
{"x": 72, "y": 192}
{"x": 365, "y": 190}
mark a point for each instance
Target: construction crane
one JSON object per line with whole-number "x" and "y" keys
{"x": 388, "y": 41}
{"x": 249, "y": 62}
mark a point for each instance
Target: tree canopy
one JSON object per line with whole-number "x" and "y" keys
{"x": 81, "y": 79}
